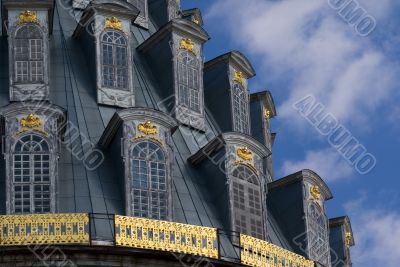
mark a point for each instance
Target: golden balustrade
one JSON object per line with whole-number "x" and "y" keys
{"x": 44, "y": 229}
{"x": 259, "y": 253}
{"x": 166, "y": 236}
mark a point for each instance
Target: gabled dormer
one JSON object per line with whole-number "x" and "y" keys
{"x": 163, "y": 11}
{"x": 298, "y": 202}
{"x": 232, "y": 167}
{"x": 28, "y": 25}
{"x": 194, "y": 15}
{"x": 226, "y": 91}
{"x": 262, "y": 110}
{"x": 175, "y": 54}
{"x": 105, "y": 33}
{"x": 341, "y": 239}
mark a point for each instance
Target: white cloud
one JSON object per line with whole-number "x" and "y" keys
{"x": 377, "y": 235}
{"x": 307, "y": 45}
{"x": 327, "y": 163}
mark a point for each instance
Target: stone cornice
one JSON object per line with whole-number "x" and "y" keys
{"x": 236, "y": 59}
{"x": 267, "y": 99}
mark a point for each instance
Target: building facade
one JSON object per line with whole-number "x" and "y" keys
{"x": 122, "y": 147}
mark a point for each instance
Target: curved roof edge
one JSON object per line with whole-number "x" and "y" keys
{"x": 181, "y": 25}
{"x": 237, "y": 59}
{"x": 265, "y": 96}
{"x": 33, "y": 107}
{"x": 343, "y": 220}
{"x": 218, "y": 142}
{"x": 307, "y": 175}
{"x": 120, "y": 116}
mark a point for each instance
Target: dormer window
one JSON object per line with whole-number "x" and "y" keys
{"x": 29, "y": 54}
{"x": 28, "y": 46}
{"x": 247, "y": 199}
{"x": 240, "y": 109}
{"x": 114, "y": 60}
{"x": 189, "y": 80}
{"x": 31, "y": 156}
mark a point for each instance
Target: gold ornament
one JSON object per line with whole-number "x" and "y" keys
{"x": 31, "y": 121}
{"x": 27, "y": 16}
{"x": 315, "y": 193}
{"x": 348, "y": 238}
{"x": 113, "y": 23}
{"x": 259, "y": 253}
{"x": 267, "y": 114}
{"x": 244, "y": 153}
{"x": 44, "y": 229}
{"x": 166, "y": 236}
{"x": 239, "y": 77}
{"x": 187, "y": 44}
{"x": 148, "y": 128}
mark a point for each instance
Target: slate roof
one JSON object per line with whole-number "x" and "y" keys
{"x": 73, "y": 88}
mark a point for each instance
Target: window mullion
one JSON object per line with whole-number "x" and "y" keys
{"x": 31, "y": 183}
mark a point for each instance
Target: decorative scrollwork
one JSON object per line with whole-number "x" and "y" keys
{"x": 166, "y": 236}
{"x": 44, "y": 229}
{"x": 260, "y": 253}
{"x": 148, "y": 128}
{"x": 31, "y": 121}
{"x": 27, "y": 16}
{"x": 113, "y": 23}
{"x": 315, "y": 193}
{"x": 187, "y": 44}
{"x": 239, "y": 77}
{"x": 244, "y": 153}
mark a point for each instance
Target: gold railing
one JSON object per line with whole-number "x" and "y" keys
{"x": 46, "y": 229}
{"x": 166, "y": 236}
{"x": 259, "y": 253}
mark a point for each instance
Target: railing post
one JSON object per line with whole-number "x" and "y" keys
{"x": 90, "y": 228}
{"x": 219, "y": 243}
{"x": 115, "y": 231}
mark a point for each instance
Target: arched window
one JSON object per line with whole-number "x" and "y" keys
{"x": 318, "y": 234}
{"x": 149, "y": 181}
{"x": 31, "y": 175}
{"x": 189, "y": 81}
{"x": 29, "y": 54}
{"x": 114, "y": 50}
{"x": 247, "y": 202}
{"x": 240, "y": 109}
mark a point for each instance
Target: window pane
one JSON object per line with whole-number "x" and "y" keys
{"x": 188, "y": 81}
{"x": 115, "y": 60}
{"x": 149, "y": 182}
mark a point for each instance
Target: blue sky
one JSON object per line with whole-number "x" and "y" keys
{"x": 305, "y": 47}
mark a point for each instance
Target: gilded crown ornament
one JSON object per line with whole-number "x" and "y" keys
{"x": 187, "y": 44}
{"x": 147, "y": 128}
{"x": 113, "y": 23}
{"x": 27, "y": 16}
{"x": 31, "y": 121}
{"x": 315, "y": 193}
{"x": 239, "y": 77}
{"x": 244, "y": 153}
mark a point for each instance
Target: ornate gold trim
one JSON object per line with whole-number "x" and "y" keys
{"x": 113, "y": 23}
{"x": 315, "y": 192}
{"x": 141, "y": 137}
{"x": 44, "y": 229}
{"x": 27, "y": 16}
{"x": 239, "y": 77}
{"x": 31, "y": 121}
{"x": 244, "y": 153}
{"x": 259, "y": 253}
{"x": 166, "y": 236}
{"x": 148, "y": 128}
{"x": 187, "y": 44}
